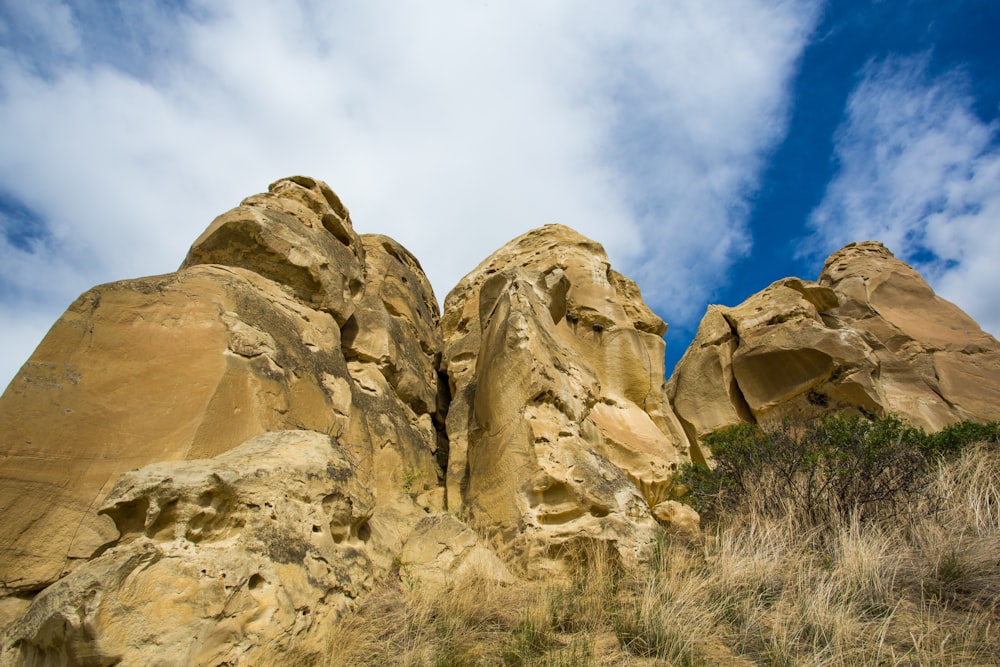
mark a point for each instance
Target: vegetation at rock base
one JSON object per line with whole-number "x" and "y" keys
{"x": 792, "y": 568}
{"x": 836, "y": 467}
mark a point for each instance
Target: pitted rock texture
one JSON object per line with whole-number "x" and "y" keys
{"x": 208, "y": 467}
{"x": 559, "y": 429}
{"x": 191, "y": 364}
{"x": 299, "y": 235}
{"x": 869, "y": 337}
{"x": 245, "y": 558}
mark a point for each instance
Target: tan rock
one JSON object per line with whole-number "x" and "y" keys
{"x": 558, "y": 427}
{"x": 245, "y": 558}
{"x": 871, "y": 337}
{"x": 678, "y": 518}
{"x": 188, "y": 365}
{"x": 299, "y": 235}
{"x": 703, "y": 390}
{"x": 917, "y": 336}
{"x": 442, "y": 550}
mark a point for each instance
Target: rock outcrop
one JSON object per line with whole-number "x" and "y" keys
{"x": 870, "y": 336}
{"x": 191, "y": 364}
{"x": 253, "y": 553}
{"x": 210, "y": 466}
{"x": 559, "y": 428}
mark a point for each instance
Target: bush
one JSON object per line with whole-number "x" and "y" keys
{"x": 837, "y": 466}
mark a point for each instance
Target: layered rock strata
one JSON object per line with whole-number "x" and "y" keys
{"x": 870, "y": 336}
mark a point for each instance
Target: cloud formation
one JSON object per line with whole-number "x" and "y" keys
{"x": 919, "y": 171}
{"x": 127, "y": 127}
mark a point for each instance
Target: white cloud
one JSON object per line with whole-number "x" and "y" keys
{"x": 451, "y": 126}
{"x": 919, "y": 171}
{"x": 50, "y": 24}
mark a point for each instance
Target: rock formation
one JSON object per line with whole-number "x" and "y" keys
{"x": 559, "y": 426}
{"x": 192, "y": 364}
{"x": 252, "y": 553}
{"x": 210, "y": 466}
{"x": 870, "y": 336}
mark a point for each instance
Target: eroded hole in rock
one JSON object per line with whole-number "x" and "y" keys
{"x": 818, "y": 398}
{"x": 164, "y": 525}
{"x": 364, "y": 531}
{"x": 255, "y": 581}
{"x": 560, "y": 516}
{"x": 348, "y": 334}
{"x": 130, "y": 517}
{"x": 337, "y": 227}
{"x": 356, "y": 287}
{"x": 600, "y": 511}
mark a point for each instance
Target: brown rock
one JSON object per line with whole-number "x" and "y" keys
{"x": 442, "y": 550}
{"x": 919, "y": 338}
{"x": 245, "y": 558}
{"x": 186, "y": 365}
{"x": 558, "y": 428}
{"x": 871, "y": 337}
{"x": 189, "y": 365}
{"x": 299, "y": 235}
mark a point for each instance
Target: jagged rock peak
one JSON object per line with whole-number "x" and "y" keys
{"x": 870, "y": 336}
{"x": 559, "y": 429}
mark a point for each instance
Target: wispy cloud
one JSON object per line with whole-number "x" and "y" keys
{"x": 451, "y": 127}
{"x": 919, "y": 171}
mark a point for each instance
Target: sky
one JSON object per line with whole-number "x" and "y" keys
{"x": 711, "y": 146}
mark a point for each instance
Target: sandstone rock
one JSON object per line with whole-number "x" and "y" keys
{"x": 189, "y": 365}
{"x": 186, "y": 365}
{"x": 442, "y": 550}
{"x": 208, "y": 467}
{"x": 245, "y": 558}
{"x": 678, "y": 518}
{"x": 919, "y": 338}
{"x": 558, "y": 428}
{"x": 871, "y": 337}
{"x": 299, "y": 235}
{"x": 392, "y": 348}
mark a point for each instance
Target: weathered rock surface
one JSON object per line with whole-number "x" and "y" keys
{"x": 559, "y": 429}
{"x": 191, "y": 364}
{"x": 208, "y": 467}
{"x": 247, "y": 557}
{"x": 870, "y": 336}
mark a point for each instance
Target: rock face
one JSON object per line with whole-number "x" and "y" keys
{"x": 870, "y": 336}
{"x": 210, "y": 466}
{"x": 559, "y": 428}
{"x": 191, "y": 364}
{"x": 252, "y": 553}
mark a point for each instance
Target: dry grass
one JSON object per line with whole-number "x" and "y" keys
{"x": 756, "y": 591}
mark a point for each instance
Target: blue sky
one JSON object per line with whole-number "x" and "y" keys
{"x": 712, "y": 146}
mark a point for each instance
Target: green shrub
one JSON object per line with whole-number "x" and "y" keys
{"x": 836, "y": 466}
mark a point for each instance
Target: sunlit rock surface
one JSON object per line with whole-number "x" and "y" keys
{"x": 869, "y": 337}
{"x": 211, "y": 466}
{"x": 559, "y": 428}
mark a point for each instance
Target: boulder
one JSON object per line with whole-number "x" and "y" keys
{"x": 299, "y": 235}
{"x": 245, "y": 558}
{"x": 189, "y": 365}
